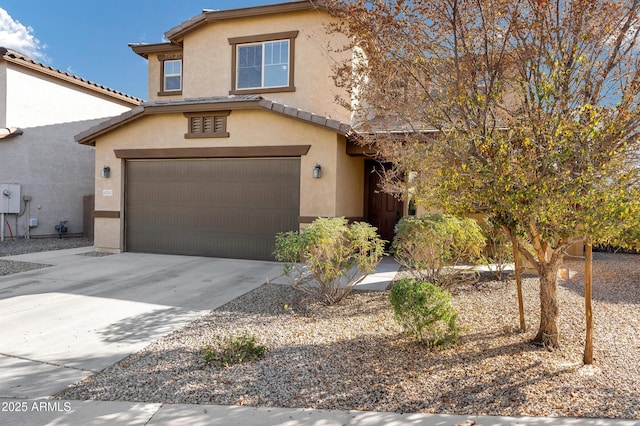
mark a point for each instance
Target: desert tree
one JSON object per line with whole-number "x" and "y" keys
{"x": 522, "y": 110}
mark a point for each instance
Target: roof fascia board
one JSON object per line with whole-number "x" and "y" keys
{"x": 145, "y": 49}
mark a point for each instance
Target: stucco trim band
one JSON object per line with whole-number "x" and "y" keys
{"x": 108, "y": 214}
{"x": 222, "y": 152}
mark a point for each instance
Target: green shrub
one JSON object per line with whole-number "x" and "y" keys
{"x": 233, "y": 350}
{"x": 329, "y": 257}
{"x": 424, "y": 311}
{"x": 441, "y": 249}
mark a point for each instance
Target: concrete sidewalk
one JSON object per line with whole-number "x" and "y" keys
{"x": 47, "y": 412}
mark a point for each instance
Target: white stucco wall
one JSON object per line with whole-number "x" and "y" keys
{"x": 45, "y": 160}
{"x": 34, "y": 99}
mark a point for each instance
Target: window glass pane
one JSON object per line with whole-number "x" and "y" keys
{"x": 276, "y": 75}
{"x": 276, "y": 68}
{"x": 173, "y": 75}
{"x": 268, "y": 53}
{"x": 172, "y": 83}
{"x": 172, "y": 67}
{"x": 249, "y": 66}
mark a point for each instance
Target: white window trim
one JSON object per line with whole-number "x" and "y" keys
{"x": 166, "y": 75}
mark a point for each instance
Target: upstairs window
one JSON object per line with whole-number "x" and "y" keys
{"x": 263, "y": 63}
{"x": 171, "y": 74}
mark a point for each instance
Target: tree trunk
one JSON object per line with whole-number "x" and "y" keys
{"x": 518, "y": 272}
{"x": 548, "y": 332}
{"x": 588, "y": 344}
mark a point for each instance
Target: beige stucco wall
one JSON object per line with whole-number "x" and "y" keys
{"x": 337, "y": 193}
{"x": 153, "y": 82}
{"x": 349, "y": 183}
{"x": 207, "y": 61}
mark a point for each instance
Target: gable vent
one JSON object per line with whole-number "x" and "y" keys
{"x": 207, "y": 125}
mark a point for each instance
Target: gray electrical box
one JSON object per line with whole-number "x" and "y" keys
{"x": 10, "y": 198}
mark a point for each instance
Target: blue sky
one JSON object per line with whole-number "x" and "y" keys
{"x": 90, "y": 38}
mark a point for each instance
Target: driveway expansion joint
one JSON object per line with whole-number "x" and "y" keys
{"x": 45, "y": 362}
{"x": 154, "y": 414}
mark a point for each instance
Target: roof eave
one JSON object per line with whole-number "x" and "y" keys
{"x": 144, "y": 49}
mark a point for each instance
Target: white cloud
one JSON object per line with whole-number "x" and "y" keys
{"x": 14, "y": 35}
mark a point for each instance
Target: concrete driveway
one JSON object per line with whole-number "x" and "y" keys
{"x": 62, "y": 323}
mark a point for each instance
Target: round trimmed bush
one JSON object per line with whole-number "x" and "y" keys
{"x": 424, "y": 311}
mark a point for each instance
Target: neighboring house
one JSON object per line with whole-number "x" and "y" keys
{"x": 241, "y": 139}
{"x": 44, "y": 174}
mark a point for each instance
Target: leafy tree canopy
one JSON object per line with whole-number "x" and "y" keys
{"x": 525, "y": 110}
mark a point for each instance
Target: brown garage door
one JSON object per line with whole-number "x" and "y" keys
{"x": 211, "y": 207}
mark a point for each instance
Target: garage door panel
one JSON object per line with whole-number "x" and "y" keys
{"x": 214, "y": 207}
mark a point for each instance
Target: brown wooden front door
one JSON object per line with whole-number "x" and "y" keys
{"x": 382, "y": 210}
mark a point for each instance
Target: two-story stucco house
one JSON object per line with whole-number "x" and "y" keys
{"x": 241, "y": 139}
{"x": 44, "y": 174}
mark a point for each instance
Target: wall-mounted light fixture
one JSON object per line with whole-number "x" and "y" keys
{"x": 106, "y": 172}
{"x": 317, "y": 171}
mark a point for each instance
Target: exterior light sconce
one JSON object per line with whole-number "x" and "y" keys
{"x": 317, "y": 171}
{"x": 106, "y": 172}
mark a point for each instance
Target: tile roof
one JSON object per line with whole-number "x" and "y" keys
{"x": 231, "y": 102}
{"x": 18, "y": 58}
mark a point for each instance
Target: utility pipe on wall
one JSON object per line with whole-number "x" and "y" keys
{"x": 27, "y": 206}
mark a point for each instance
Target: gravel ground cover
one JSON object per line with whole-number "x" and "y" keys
{"x": 354, "y": 356}
{"x": 13, "y": 247}
{"x": 17, "y": 246}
